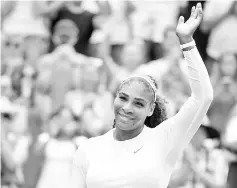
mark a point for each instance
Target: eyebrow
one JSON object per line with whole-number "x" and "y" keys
{"x": 138, "y": 99}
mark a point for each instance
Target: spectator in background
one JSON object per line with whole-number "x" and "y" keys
{"x": 22, "y": 19}
{"x": 220, "y": 19}
{"x": 203, "y": 163}
{"x": 148, "y": 23}
{"x": 224, "y": 80}
{"x": 226, "y": 66}
{"x": 229, "y": 141}
{"x": 89, "y": 98}
{"x": 6, "y": 87}
{"x": 13, "y": 147}
{"x": 57, "y": 148}
{"x": 19, "y": 124}
{"x": 133, "y": 55}
{"x": 58, "y": 70}
{"x": 119, "y": 27}
{"x": 12, "y": 53}
{"x": 83, "y": 19}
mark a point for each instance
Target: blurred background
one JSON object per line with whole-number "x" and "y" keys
{"x": 62, "y": 61}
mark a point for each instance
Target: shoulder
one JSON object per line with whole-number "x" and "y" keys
{"x": 90, "y": 148}
{"x": 94, "y": 143}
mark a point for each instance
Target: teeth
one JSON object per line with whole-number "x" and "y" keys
{"x": 125, "y": 117}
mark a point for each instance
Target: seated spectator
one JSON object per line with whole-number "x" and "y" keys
{"x": 203, "y": 163}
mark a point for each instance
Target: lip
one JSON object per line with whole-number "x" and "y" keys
{"x": 125, "y": 116}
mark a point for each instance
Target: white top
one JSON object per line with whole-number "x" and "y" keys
{"x": 148, "y": 159}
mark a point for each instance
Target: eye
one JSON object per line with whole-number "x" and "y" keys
{"x": 122, "y": 98}
{"x": 139, "y": 104}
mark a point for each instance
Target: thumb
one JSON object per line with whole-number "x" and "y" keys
{"x": 181, "y": 20}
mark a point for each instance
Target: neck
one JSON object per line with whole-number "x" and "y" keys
{"x": 122, "y": 135}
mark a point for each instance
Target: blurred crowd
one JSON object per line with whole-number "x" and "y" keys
{"x": 61, "y": 64}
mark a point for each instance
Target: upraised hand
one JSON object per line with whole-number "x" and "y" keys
{"x": 185, "y": 30}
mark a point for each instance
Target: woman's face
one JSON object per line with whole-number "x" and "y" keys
{"x": 228, "y": 65}
{"x": 132, "y": 105}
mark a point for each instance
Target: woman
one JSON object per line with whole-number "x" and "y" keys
{"x": 137, "y": 152}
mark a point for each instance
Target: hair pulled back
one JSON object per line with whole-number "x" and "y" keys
{"x": 160, "y": 113}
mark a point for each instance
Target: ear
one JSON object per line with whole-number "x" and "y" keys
{"x": 151, "y": 110}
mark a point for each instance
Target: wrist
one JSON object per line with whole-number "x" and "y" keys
{"x": 184, "y": 40}
{"x": 188, "y": 46}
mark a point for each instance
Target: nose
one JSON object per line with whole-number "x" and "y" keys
{"x": 127, "y": 108}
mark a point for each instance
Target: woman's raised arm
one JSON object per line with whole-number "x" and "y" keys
{"x": 181, "y": 128}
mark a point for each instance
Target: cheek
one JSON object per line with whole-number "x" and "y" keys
{"x": 117, "y": 105}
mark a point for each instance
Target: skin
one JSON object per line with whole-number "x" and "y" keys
{"x": 133, "y": 103}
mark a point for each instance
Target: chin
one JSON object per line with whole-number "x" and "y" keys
{"x": 124, "y": 126}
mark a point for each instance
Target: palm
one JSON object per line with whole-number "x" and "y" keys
{"x": 186, "y": 29}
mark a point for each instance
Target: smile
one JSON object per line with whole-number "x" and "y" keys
{"x": 125, "y": 117}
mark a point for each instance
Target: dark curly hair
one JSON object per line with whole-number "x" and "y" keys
{"x": 160, "y": 113}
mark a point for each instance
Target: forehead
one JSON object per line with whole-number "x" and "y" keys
{"x": 137, "y": 89}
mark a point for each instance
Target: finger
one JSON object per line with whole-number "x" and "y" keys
{"x": 195, "y": 14}
{"x": 200, "y": 13}
{"x": 192, "y": 11}
{"x": 199, "y": 5}
{"x": 181, "y": 20}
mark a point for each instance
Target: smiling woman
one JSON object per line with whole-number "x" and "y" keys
{"x": 137, "y": 101}
{"x": 137, "y": 152}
